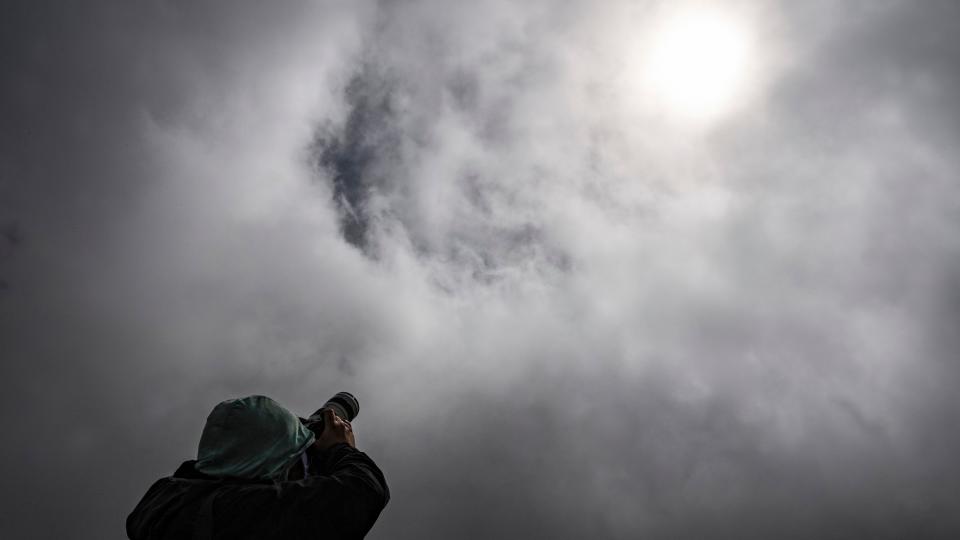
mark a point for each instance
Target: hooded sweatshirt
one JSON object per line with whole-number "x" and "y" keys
{"x": 250, "y": 443}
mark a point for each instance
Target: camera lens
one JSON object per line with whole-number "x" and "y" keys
{"x": 343, "y": 405}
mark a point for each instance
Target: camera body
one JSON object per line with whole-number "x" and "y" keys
{"x": 343, "y": 404}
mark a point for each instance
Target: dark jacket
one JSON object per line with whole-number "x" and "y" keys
{"x": 341, "y": 497}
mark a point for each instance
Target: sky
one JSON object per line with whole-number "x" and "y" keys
{"x": 593, "y": 269}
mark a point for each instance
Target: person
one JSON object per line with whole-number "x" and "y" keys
{"x": 260, "y": 473}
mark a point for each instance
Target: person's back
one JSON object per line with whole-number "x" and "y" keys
{"x": 338, "y": 492}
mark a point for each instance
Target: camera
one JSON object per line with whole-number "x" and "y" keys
{"x": 343, "y": 404}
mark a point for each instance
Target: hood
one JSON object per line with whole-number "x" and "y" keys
{"x": 251, "y": 437}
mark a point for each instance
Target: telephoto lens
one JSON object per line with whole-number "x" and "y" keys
{"x": 343, "y": 404}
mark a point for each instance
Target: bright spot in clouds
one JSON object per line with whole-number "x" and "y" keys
{"x": 696, "y": 63}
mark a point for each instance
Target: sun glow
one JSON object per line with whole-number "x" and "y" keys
{"x": 696, "y": 63}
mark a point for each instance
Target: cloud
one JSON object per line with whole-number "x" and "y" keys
{"x": 566, "y": 313}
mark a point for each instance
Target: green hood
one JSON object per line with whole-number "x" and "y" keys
{"x": 252, "y": 437}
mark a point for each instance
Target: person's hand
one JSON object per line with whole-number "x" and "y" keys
{"x": 335, "y": 431}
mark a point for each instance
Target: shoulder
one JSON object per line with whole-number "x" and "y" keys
{"x": 172, "y": 503}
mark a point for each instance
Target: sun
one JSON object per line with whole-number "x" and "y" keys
{"x": 696, "y": 63}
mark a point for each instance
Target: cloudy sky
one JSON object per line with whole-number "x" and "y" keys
{"x": 594, "y": 269}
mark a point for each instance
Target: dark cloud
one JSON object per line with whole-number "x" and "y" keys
{"x": 567, "y": 317}
{"x": 361, "y": 156}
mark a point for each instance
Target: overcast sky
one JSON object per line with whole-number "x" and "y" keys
{"x": 592, "y": 269}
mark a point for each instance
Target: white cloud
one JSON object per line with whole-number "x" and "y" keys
{"x": 629, "y": 327}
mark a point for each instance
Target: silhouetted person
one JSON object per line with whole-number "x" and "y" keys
{"x": 261, "y": 474}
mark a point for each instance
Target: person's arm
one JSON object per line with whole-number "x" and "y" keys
{"x": 344, "y": 491}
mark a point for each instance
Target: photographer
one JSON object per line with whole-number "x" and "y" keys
{"x": 263, "y": 473}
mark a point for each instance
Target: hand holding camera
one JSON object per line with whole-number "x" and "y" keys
{"x": 336, "y": 430}
{"x": 331, "y": 423}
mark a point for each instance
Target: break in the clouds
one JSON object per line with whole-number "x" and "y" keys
{"x": 595, "y": 270}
